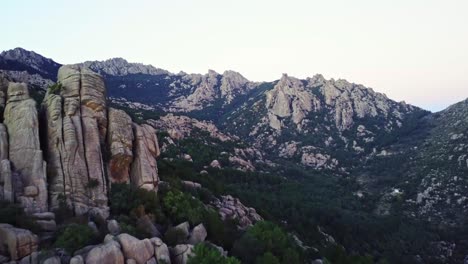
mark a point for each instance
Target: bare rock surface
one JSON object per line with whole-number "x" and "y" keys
{"x": 17, "y": 242}
{"x": 25, "y": 154}
{"x": 120, "y": 141}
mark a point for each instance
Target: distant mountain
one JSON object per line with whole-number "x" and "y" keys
{"x": 19, "y": 59}
{"x": 386, "y": 159}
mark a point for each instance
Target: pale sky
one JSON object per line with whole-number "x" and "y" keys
{"x": 411, "y": 50}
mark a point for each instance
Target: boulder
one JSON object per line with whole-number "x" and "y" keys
{"x": 93, "y": 227}
{"x": 215, "y": 164}
{"x": 144, "y": 170}
{"x": 133, "y": 248}
{"x": 130, "y": 261}
{"x": 108, "y": 253}
{"x": 44, "y": 216}
{"x": 47, "y": 225}
{"x": 152, "y": 261}
{"x": 77, "y": 260}
{"x": 198, "y": 235}
{"x": 113, "y": 227}
{"x": 52, "y": 260}
{"x": 181, "y": 253}
{"x": 120, "y": 144}
{"x": 31, "y": 259}
{"x": 25, "y": 154}
{"x": 183, "y": 228}
{"x": 108, "y": 238}
{"x": 4, "y": 259}
{"x": 17, "y": 242}
{"x": 161, "y": 251}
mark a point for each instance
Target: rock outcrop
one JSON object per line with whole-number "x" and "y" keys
{"x": 231, "y": 208}
{"x": 25, "y": 154}
{"x": 144, "y": 170}
{"x": 89, "y": 146}
{"x": 120, "y": 142}
{"x": 76, "y": 120}
{"x": 107, "y": 253}
{"x": 16, "y": 242}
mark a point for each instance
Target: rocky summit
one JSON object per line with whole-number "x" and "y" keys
{"x": 150, "y": 166}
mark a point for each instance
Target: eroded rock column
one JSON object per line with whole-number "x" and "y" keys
{"x": 144, "y": 170}
{"x": 21, "y": 121}
{"x": 120, "y": 146}
{"x": 76, "y": 128}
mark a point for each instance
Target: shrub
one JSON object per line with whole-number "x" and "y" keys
{"x": 206, "y": 255}
{"x": 180, "y": 207}
{"x": 14, "y": 214}
{"x": 92, "y": 184}
{"x": 264, "y": 240}
{"x": 73, "y": 237}
{"x": 125, "y": 198}
{"x": 174, "y": 237}
{"x": 55, "y": 88}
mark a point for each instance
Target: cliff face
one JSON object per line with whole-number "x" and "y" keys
{"x": 84, "y": 146}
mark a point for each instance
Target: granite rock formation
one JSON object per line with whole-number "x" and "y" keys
{"x": 70, "y": 152}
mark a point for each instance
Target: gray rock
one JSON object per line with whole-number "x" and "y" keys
{"x": 161, "y": 251}
{"x": 120, "y": 142}
{"x": 108, "y": 253}
{"x": 44, "y": 216}
{"x": 152, "y": 261}
{"x": 93, "y": 227}
{"x": 181, "y": 253}
{"x": 108, "y": 238}
{"x": 52, "y": 260}
{"x": 47, "y": 225}
{"x": 113, "y": 227}
{"x": 18, "y": 242}
{"x": 198, "y": 235}
{"x": 77, "y": 260}
{"x": 144, "y": 170}
{"x": 21, "y": 120}
{"x": 184, "y": 229}
{"x": 133, "y": 248}
{"x": 4, "y": 259}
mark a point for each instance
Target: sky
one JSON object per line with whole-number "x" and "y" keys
{"x": 411, "y": 50}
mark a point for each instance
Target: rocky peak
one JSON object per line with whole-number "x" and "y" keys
{"x": 31, "y": 62}
{"x": 120, "y": 67}
{"x": 233, "y": 84}
{"x": 289, "y": 98}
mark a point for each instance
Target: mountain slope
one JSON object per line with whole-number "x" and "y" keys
{"x": 307, "y": 152}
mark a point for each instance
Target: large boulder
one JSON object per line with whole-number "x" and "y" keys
{"x": 139, "y": 250}
{"x": 16, "y": 242}
{"x": 181, "y": 253}
{"x": 52, "y": 260}
{"x": 198, "y": 235}
{"x": 21, "y": 120}
{"x": 161, "y": 251}
{"x": 76, "y": 119}
{"x": 144, "y": 170}
{"x": 120, "y": 144}
{"x": 113, "y": 227}
{"x": 108, "y": 253}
